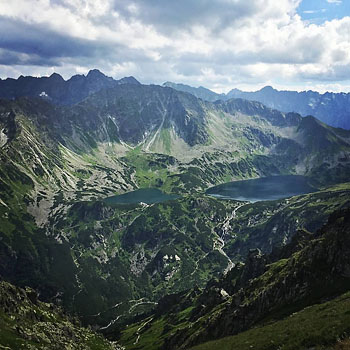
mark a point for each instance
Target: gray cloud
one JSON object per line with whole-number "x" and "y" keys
{"x": 38, "y": 40}
{"x": 36, "y": 44}
{"x": 169, "y": 15}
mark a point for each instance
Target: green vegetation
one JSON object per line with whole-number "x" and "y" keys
{"x": 151, "y": 170}
{"x": 265, "y": 297}
{"x": 166, "y": 139}
{"x": 318, "y": 327}
{"x": 169, "y": 238}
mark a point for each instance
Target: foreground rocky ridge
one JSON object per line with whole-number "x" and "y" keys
{"x": 28, "y": 323}
{"x": 311, "y": 269}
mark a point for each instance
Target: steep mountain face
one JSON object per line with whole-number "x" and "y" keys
{"x": 108, "y": 263}
{"x": 263, "y": 291}
{"x": 141, "y": 113}
{"x": 330, "y": 108}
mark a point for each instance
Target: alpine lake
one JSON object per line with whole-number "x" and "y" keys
{"x": 263, "y": 188}
{"x": 253, "y": 190}
{"x": 143, "y": 195}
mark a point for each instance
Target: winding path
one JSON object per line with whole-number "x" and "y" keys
{"x": 139, "y": 329}
{"x": 219, "y": 244}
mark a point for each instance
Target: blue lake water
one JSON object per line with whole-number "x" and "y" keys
{"x": 263, "y": 189}
{"x": 145, "y": 195}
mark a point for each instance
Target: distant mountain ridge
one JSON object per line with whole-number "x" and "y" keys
{"x": 200, "y": 92}
{"x": 60, "y": 91}
{"x": 331, "y": 108}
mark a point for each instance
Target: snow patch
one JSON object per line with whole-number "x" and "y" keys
{"x": 3, "y": 138}
{"x": 224, "y": 294}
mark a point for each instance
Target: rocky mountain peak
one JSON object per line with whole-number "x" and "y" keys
{"x": 129, "y": 80}
{"x": 95, "y": 74}
{"x": 56, "y": 77}
{"x": 267, "y": 88}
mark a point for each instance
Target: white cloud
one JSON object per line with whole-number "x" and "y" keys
{"x": 315, "y": 11}
{"x": 219, "y": 44}
{"x": 337, "y": 2}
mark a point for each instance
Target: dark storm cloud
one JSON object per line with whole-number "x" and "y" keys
{"x": 35, "y": 44}
{"x": 9, "y": 58}
{"x": 34, "y": 39}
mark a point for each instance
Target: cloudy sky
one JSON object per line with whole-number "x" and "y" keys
{"x": 220, "y": 44}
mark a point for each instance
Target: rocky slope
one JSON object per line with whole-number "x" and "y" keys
{"x": 264, "y": 292}
{"x": 320, "y": 326}
{"x": 28, "y": 323}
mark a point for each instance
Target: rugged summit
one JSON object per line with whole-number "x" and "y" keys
{"x": 331, "y": 108}
{"x": 56, "y": 89}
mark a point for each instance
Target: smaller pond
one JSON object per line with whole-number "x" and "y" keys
{"x": 145, "y": 195}
{"x": 263, "y": 189}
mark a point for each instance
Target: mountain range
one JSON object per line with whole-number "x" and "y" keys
{"x": 57, "y": 90}
{"x": 66, "y": 147}
{"x": 330, "y": 108}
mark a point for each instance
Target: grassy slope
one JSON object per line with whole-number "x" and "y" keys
{"x": 319, "y": 326}
{"x": 183, "y": 227}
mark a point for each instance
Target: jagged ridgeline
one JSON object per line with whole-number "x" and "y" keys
{"x": 66, "y": 146}
{"x": 331, "y": 108}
